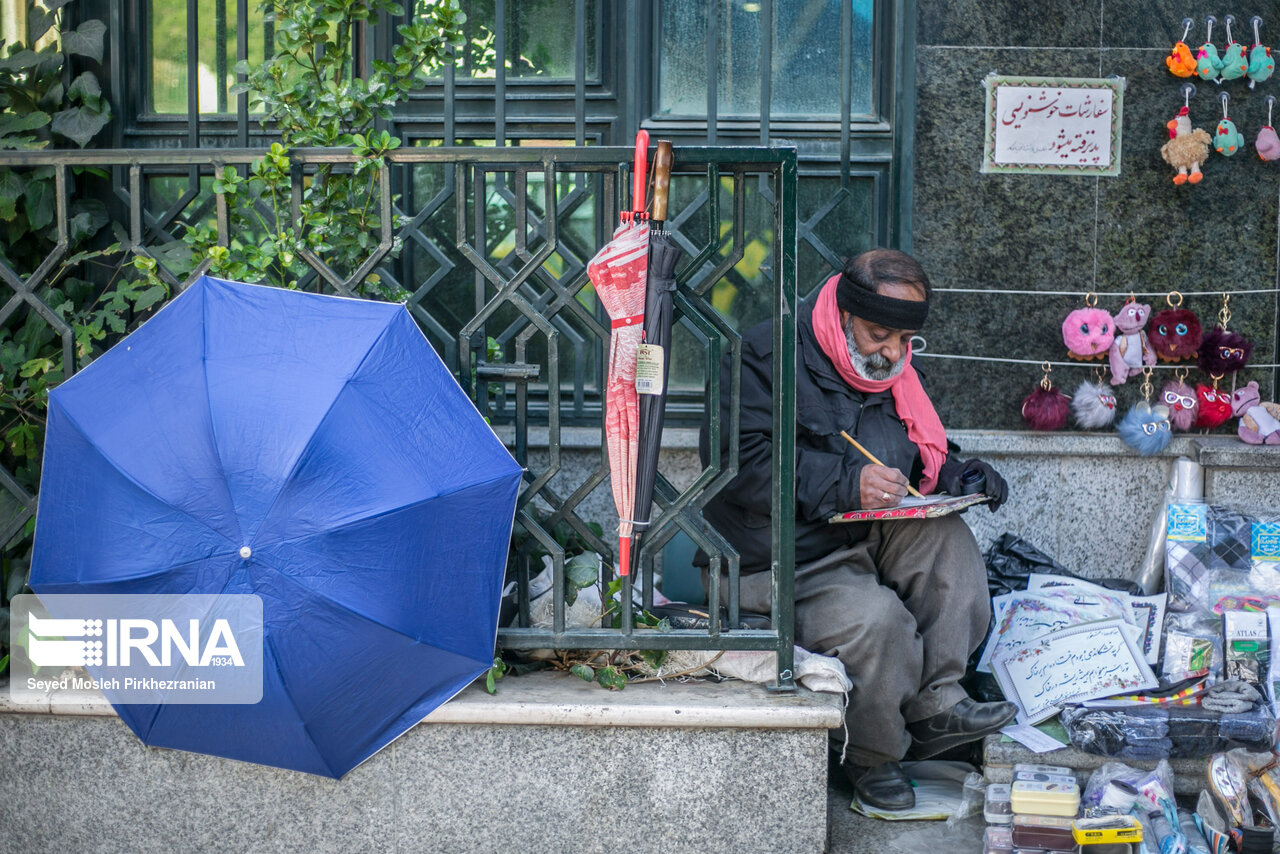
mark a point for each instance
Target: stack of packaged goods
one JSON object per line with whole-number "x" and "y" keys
{"x": 1033, "y": 814}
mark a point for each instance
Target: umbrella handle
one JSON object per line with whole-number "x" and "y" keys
{"x": 639, "y": 174}
{"x": 662, "y": 159}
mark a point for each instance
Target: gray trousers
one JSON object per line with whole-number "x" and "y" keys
{"x": 903, "y": 609}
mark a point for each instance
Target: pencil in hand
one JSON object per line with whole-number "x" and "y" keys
{"x": 872, "y": 457}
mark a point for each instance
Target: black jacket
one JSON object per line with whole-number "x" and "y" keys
{"x": 827, "y": 467}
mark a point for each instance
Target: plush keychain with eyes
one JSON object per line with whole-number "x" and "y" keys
{"x": 1259, "y": 422}
{"x": 1226, "y": 139}
{"x": 1130, "y": 351}
{"x": 1174, "y": 332}
{"x": 1089, "y": 331}
{"x": 1094, "y": 405}
{"x": 1180, "y": 399}
{"x": 1213, "y": 407}
{"x": 1221, "y": 350}
{"x": 1145, "y": 428}
{"x": 1046, "y": 407}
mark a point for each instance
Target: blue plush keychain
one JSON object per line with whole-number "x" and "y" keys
{"x": 1234, "y": 65}
{"x": 1146, "y": 428}
{"x": 1226, "y": 140}
{"x": 1261, "y": 65}
{"x": 1208, "y": 65}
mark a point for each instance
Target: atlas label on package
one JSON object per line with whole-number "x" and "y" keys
{"x": 148, "y": 649}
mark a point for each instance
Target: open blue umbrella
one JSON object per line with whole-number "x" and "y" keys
{"x": 325, "y": 439}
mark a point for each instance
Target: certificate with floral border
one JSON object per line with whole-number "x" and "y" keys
{"x": 1052, "y": 125}
{"x": 1079, "y": 663}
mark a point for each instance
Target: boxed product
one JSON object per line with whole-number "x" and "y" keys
{"x": 997, "y": 808}
{"x": 1034, "y": 798}
{"x": 1043, "y": 831}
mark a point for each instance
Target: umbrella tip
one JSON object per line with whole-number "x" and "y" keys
{"x": 246, "y": 552}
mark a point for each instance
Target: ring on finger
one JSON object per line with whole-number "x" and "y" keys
{"x": 884, "y": 496}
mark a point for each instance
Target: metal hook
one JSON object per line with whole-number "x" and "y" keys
{"x": 1209, "y": 22}
{"x": 1224, "y": 98}
{"x": 1230, "y": 19}
{"x": 1186, "y": 28}
{"x": 1091, "y": 299}
{"x": 1169, "y": 299}
{"x": 1188, "y": 89}
{"x": 1045, "y": 382}
{"x": 1257, "y": 23}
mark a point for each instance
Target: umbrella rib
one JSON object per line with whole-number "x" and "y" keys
{"x": 208, "y": 402}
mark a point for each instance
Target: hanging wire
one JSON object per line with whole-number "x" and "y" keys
{"x": 1015, "y": 292}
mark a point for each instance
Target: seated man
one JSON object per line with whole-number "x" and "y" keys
{"x": 902, "y": 603}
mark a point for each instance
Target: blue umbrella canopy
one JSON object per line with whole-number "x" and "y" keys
{"x": 326, "y": 436}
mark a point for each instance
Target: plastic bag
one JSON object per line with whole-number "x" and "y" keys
{"x": 1192, "y": 646}
{"x": 1011, "y": 559}
{"x": 972, "y": 798}
{"x": 1160, "y": 732}
{"x": 1222, "y": 556}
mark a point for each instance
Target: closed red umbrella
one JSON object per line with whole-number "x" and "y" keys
{"x": 619, "y": 272}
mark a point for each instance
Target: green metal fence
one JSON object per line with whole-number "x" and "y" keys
{"x": 492, "y": 245}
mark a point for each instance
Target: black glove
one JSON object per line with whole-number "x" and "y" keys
{"x": 951, "y": 477}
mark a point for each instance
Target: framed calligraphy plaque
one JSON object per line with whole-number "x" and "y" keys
{"x": 1052, "y": 125}
{"x": 1080, "y": 663}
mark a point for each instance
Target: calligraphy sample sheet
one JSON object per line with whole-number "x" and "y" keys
{"x": 1071, "y": 665}
{"x": 1148, "y": 611}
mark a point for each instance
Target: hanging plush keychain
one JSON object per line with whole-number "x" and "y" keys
{"x": 1187, "y": 147}
{"x": 1221, "y": 350}
{"x": 1089, "y": 331}
{"x": 1094, "y": 404}
{"x": 1226, "y": 139}
{"x": 1268, "y": 144}
{"x": 1234, "y": 65}
{"x": 1180, "y": 399}
{"x": 1208, "y": 65}
{"x": 1180, "y": 61}
{"x": 1174, "y": 332}
{"x": 1213, "y": 407}
{"x": 1145, "y": 428}
{"x": 1261, "y": 65}
{"x": 1046, "y": 407}
{"x": 1130, "y": 350}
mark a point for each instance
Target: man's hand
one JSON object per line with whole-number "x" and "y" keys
{"x": 880, "y": 487}
{"x": 950, "y": 479}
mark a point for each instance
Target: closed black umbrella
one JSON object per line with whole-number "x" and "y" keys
{"x": 655, "y": 349}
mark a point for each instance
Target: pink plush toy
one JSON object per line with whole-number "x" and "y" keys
{"x": 1259, "y": 422}
{"x": 1181, "y": 400}
{"x": 1130, "y": 350}
{"x": 1088, "y": 333}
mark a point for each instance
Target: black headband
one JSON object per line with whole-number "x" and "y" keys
{"x": 889, "y": 312}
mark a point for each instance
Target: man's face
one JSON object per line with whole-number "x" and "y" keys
{"x": 878, "y": 352}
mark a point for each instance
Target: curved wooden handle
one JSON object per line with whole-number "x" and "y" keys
{"x": 638, "y": 174}
{"x": 662, "y": 160}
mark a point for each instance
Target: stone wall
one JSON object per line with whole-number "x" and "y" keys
{"x": 1135, "y": 232}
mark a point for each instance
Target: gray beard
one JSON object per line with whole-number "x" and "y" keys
{"x": 874, "y": 367}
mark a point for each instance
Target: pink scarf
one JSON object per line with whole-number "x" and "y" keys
{"x": 924, "y": 428}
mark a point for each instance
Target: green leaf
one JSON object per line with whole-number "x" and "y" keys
{"x": 21, "y": 61}
{"x": 40, "y": 204}
{"x": 583, "y": 672}
{"x": 80, "y": 124}
{"x": 582, "y": 570}
{"x": 488, "y": 683}
{"x": 148, "y": 298}
{"x": 85, "y": 40}
{"x": 10, "y": 123}
{"x": 86, "y": 90}
{"x": 611, "y": 677}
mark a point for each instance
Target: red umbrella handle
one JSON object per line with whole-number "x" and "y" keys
{"x": 639, "y": 174}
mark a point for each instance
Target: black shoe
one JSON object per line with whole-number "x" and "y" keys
{"x": 884, "y": 787}
{"x": 964, "y": 722}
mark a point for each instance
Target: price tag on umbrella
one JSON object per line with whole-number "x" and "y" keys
{"x": 649, "y": 369}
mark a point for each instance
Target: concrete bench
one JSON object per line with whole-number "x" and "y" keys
{"x": 549, "y": 763}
